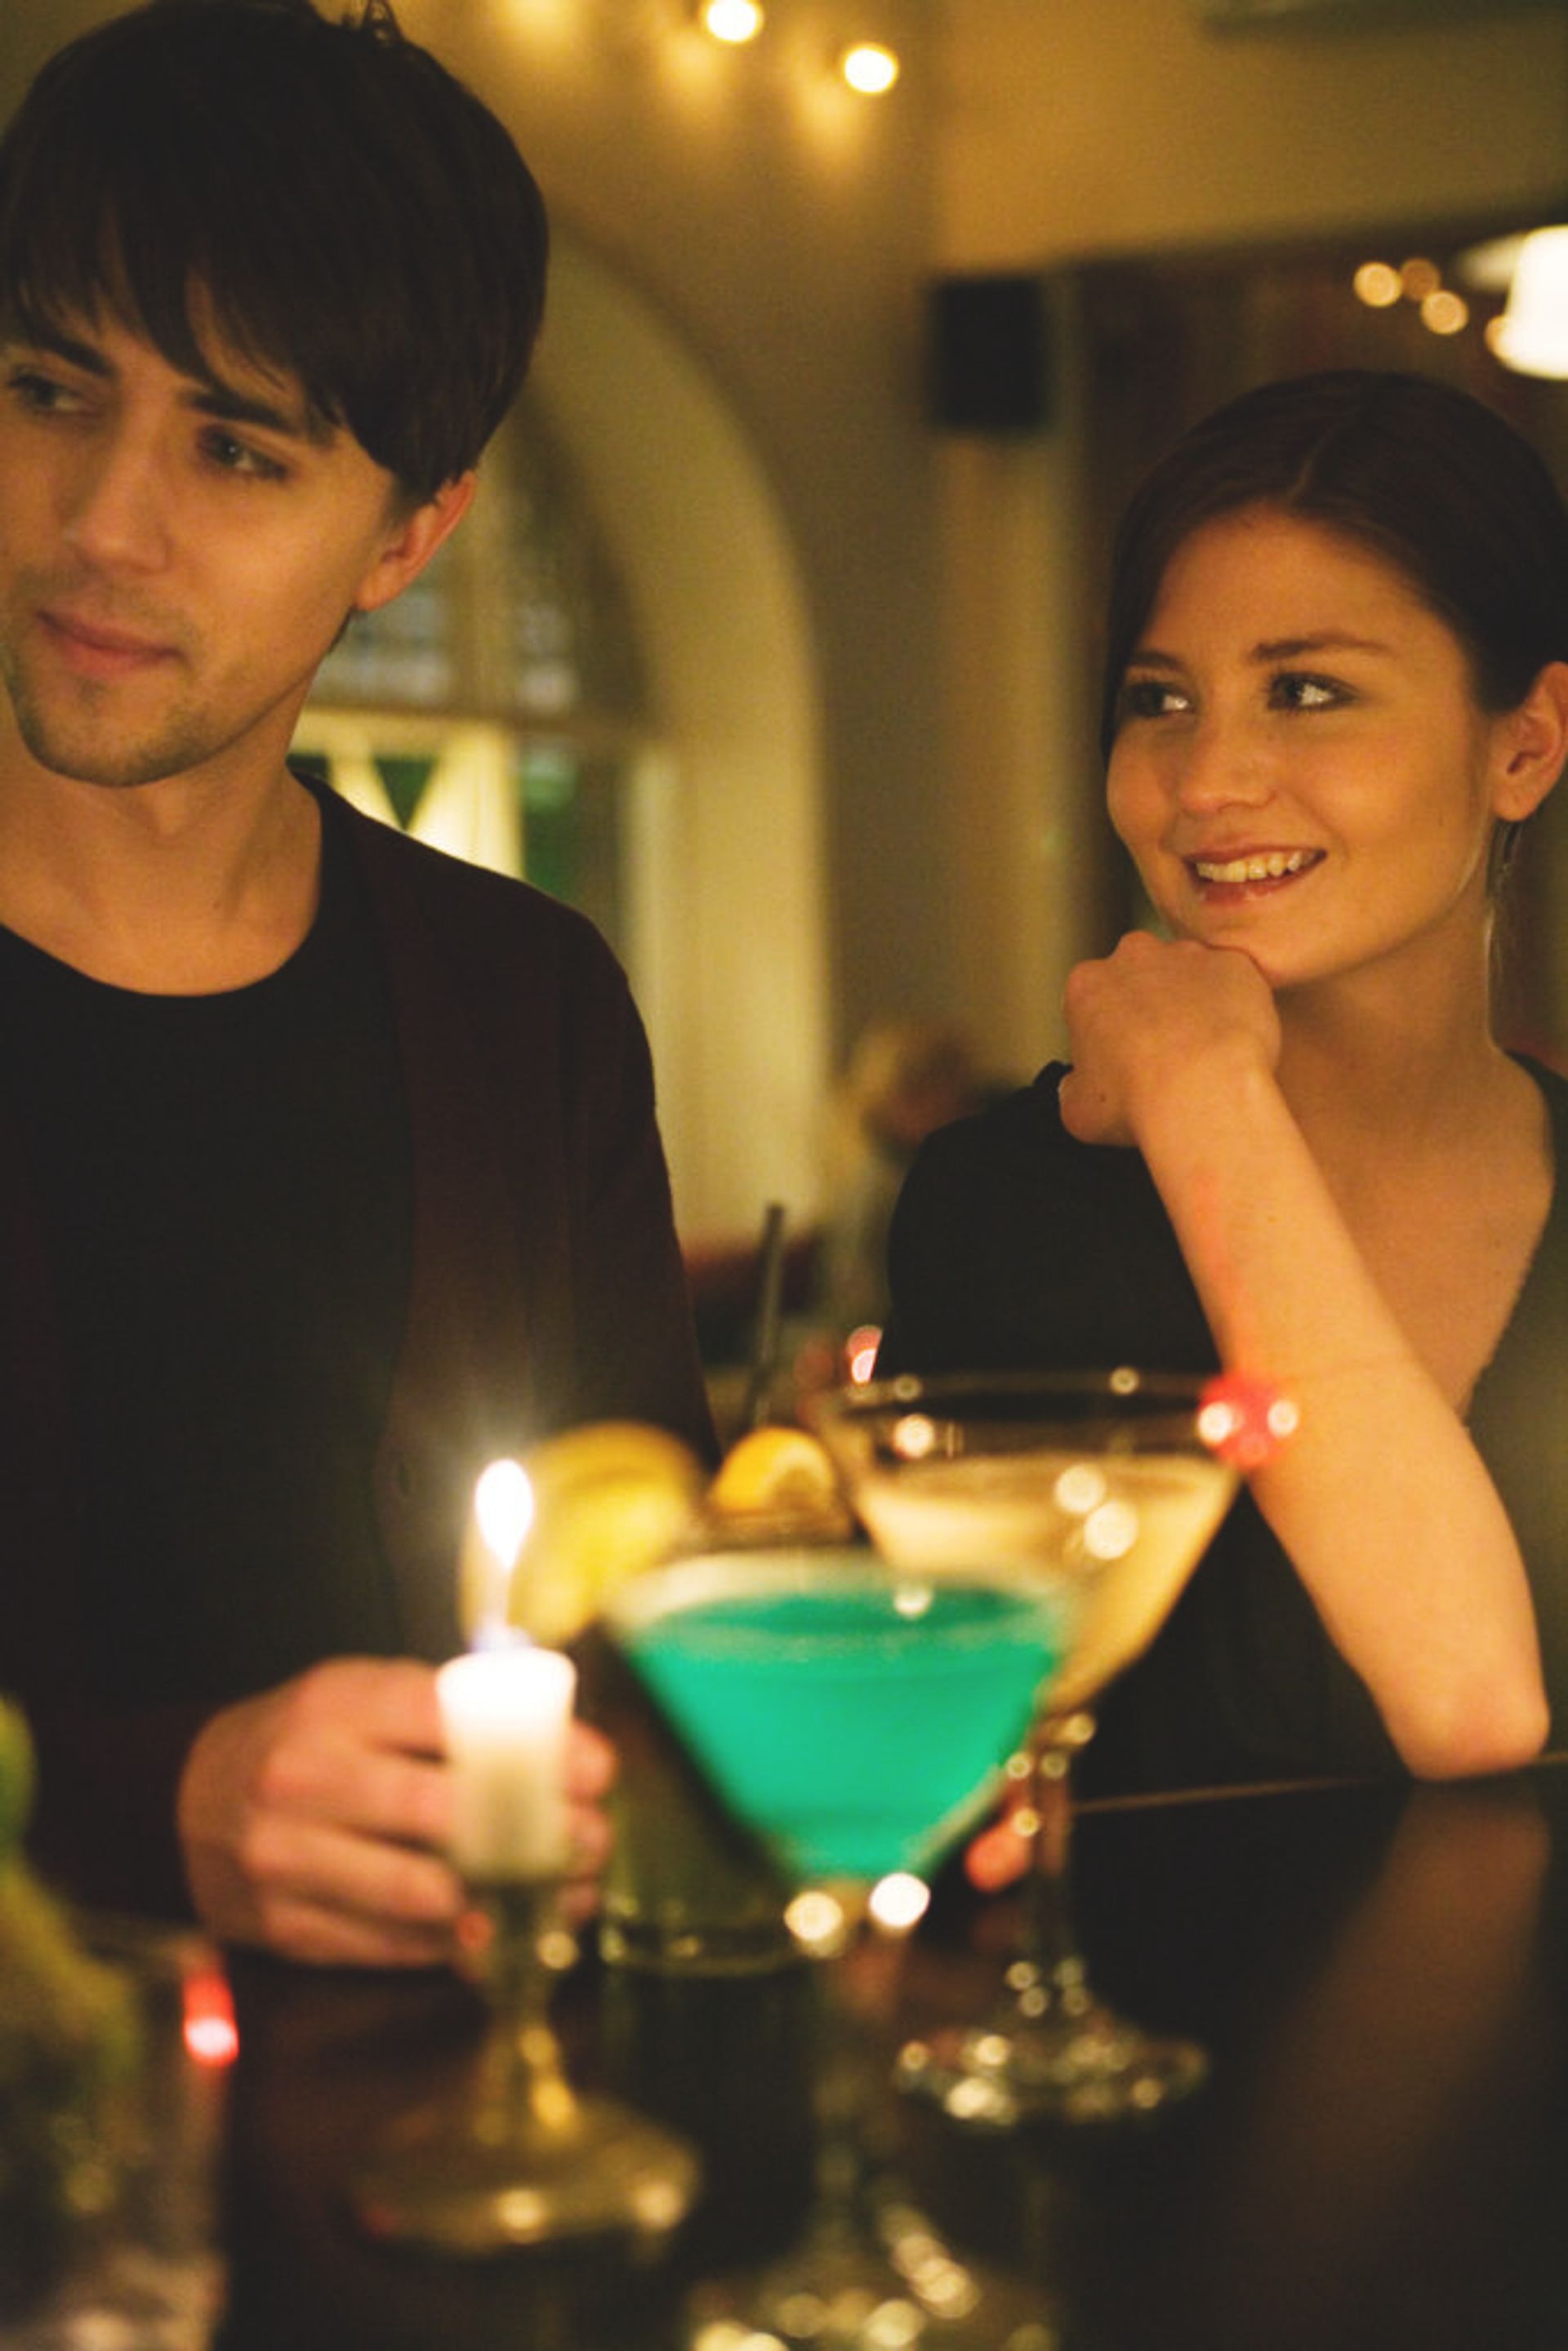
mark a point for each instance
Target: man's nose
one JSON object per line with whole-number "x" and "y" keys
{"x": 117, "y": 501}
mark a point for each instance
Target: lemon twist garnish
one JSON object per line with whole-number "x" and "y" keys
{"x": 609, "y": 1497}
{"x": 775, "y": 1472}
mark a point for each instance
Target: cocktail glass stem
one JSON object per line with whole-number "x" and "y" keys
{"x": 1049, "y": 1973}
{"x": 866, "y": 2269}
{"x": 520, "y": 2157}
{"x": 1052, "y": 2050}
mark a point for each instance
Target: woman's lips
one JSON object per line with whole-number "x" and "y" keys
{"x": 1248, "y": 868}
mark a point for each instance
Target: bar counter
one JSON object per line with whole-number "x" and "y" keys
{"x": 1379, "y": 2161}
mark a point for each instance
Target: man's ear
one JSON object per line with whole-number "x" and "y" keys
{"x": 413, "y": 539}
{"x": 1534, "y": 746}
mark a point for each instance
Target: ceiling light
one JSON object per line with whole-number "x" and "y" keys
{"x": 731, "y": 20}
{"x": 869, "y": 66}
{"x": 1532, "y": 335}
{"x": 1377, "y": 285}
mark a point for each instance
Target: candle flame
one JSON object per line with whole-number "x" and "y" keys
{"x": 504, "y": 1504}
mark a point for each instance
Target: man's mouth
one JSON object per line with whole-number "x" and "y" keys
{"x": 1265, "y": 865}
{"x": 97, "y": 646}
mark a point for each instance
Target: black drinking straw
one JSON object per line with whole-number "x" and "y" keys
{"x": 765, "y": 1340}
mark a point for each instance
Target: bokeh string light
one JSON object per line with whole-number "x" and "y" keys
{"x": 1418, "y": 281}
{"x": 871, "y": 67}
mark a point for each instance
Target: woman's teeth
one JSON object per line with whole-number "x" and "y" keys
{"x": 1271, "y": 868}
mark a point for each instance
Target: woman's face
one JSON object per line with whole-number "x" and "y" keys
{"x": 1299, "y": 768}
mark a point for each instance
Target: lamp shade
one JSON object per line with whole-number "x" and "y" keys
{"x": 1532, "y": 335}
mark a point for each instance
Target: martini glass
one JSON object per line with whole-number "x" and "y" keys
{"x": 1105, "y": 1488}
{"x": 856, "y": 1718}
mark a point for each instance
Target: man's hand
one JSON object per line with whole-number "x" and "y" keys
{"x": 313, "y": 1817}
{"x": 1142, "y": 1017}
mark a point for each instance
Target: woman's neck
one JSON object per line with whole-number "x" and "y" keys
{"x": 1396, "y": 1060}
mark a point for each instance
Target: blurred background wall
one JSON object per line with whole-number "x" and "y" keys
{"x": 833, "y": 765}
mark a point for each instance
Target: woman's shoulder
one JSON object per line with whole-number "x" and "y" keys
{"x": 1024, "y": 1116}
{"x": 1013, "y": 1243}
{"x": 1020, "y": 1135}
{"x": 1010, "y": 1176}
{"x": 1554, "y": 1086}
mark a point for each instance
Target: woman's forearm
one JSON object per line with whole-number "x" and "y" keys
{"x": 1380, "y": 1500}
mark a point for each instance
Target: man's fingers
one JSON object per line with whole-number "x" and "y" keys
{"x": 383, "y": 1701}
{"x": 318, "y": 1861}
{"x": 590, "y": 1763}
{"x": 374, "y": 1791}
{"x": 320, "y": 1934}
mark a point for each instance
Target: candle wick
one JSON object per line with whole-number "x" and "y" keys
{"x": 496, "y": 1632}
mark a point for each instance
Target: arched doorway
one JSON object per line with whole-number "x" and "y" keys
{"x": 661, "y": 748}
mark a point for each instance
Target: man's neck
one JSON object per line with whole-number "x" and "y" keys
{"x": 172, "y": 888}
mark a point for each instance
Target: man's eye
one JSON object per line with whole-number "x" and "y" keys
{"x": 232, "y": 455}
{"x": 40, "y": 394}
{"x": 1149, "y": 697}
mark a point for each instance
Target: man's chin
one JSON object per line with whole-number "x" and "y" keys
{"x": 95, "y": 757}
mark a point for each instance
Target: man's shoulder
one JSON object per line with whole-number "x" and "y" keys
{"x": 478, "y": 913}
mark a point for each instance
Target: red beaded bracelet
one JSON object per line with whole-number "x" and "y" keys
{"x": 1245, "y": 1420}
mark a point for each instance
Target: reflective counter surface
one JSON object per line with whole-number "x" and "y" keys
{"x": 1379, "y": 2161}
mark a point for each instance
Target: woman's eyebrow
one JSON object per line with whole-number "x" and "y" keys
{"x": 1327, "y": 641}
{"x": 1270, "y": 649}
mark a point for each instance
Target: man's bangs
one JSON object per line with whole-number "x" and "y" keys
{"x": 253, "y": 186}
{"x": 81, "y": 241}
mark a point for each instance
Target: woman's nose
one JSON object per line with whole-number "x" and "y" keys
{"x": 1219, "y": 763}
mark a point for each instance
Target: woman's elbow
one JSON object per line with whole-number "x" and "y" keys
{"x": 1490, "y": 1730}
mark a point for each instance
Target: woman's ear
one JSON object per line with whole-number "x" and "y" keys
{"x": 1533, "y": 743}
{"x": 412, "y": 538}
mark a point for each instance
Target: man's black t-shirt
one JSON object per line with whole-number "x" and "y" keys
{"x": 225, "y": 1191}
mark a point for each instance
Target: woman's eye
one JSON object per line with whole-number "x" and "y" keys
{"x": 1149, "y": 697}
{"x": 1294, "y": 691}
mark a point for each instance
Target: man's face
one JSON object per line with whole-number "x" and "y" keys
{"x": 177, "y": 553}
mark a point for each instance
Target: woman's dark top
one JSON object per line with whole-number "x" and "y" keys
{"x": 1015, "y": 1247}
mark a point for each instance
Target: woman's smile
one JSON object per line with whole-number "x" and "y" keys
{"x": 1250, "y": 868}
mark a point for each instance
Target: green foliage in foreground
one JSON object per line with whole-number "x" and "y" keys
{"x": 68, "y": 2048}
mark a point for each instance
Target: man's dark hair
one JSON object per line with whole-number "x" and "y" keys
{"x": 338, "y": 205}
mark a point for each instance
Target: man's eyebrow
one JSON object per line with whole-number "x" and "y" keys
{"x": 212, "y": 397}
{"x": 209, "y": 395}
{"x": 62, "y": 346}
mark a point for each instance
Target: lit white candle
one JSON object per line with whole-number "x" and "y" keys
{"x": 507, "y": 1712}
{"x": 503, "y": 1514}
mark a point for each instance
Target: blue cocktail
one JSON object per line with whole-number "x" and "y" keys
{"x": 855, "y": 1717}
